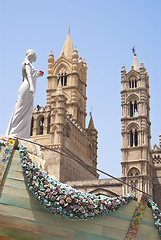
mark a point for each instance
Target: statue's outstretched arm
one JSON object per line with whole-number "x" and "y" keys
{"x": 29, "y": 78}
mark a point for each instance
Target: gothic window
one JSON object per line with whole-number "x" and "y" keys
{"x": 136, "y": 138}
{"x": 68, "y": 131}
{"x": 131, "y": 138}
{"x": 31, "y": 129}
{"x": 132, "y": 83}
{"x": 48, "y": 125}
{"x": 41, "y": 126}
{"x": 133, "y": 172}
{"x": 133, "y": 109}
{"x": 63, "y": 78}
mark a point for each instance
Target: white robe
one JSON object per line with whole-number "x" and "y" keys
{"x": 20, "y": 122}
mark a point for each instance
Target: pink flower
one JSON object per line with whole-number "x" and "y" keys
{"x": 61, "y": 202}
{"x": 35, "y": 188}
{"x": 115, "y": 205}
{"x": 53, "y": 199}
{"x": 109, "y": 206}
{"x": 75, "y": 207}
{"x": 67, "y": 207}
{"x": 90, "y": 207}
{"x": 82, "y": 210}
{"x": 55, "y": 192}
{"x": 75, "y": 200}
{"x": 47, "y": 190}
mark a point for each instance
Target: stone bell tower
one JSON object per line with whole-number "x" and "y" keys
{"x": 61, "y": 125}
{"x": 135, "y": 124}
{"x": 72, "y": 73}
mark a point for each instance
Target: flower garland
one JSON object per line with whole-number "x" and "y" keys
{"x": 156, "y": 215}
{"x": 61, "y": 199}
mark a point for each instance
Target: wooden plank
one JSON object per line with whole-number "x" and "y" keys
{"x": 11, "y": 183}
{"x": 18, "y": 234}
{"x": 46, "y": 218}
{"x": 14, "y": 191}
{"x": 40, "y": 228}
{"x": 115, "y": 231}
{"x": 17, "y": 175}
{"x": 89, "y": 236}
{"x": 16, "y": 202}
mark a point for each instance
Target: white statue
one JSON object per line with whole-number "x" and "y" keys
{"x": 20, "y": 121}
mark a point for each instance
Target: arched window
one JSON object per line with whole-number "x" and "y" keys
{"x": 48, "y": 126}
{"x": 31, "y": 129}
{"x": 68, "y": 130}
{"x": 65, "y": 79}
{"x": 62, "y": 79}
{"x": 133, "y": 172}
{"x": 136, "y": 138}
{"x": 41, "y": 126}
{"x": 132, "y": 83}
{"x": 131, "y": 138}
{"x": 133, "y": 109}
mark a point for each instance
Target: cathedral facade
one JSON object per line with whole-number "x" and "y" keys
{"x": 61, "y": 125}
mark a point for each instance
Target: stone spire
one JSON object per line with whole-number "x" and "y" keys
{"x": 91, "y": 124}
{"x": 135, "y": 64}
{"x": 68, "y": 48}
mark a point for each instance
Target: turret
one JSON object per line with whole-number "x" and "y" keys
{"x": 92, "y": 133}
{"x": 50, "y": 64}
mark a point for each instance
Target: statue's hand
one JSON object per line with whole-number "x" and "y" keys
{"x": 40, "y": 74}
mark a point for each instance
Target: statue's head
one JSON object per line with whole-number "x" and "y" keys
{"x": 31, "y": 55}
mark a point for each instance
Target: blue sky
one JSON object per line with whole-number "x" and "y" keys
{"x": 104, "y": 33}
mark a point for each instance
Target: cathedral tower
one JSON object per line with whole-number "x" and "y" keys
{"x": 71, "y": 71}
{"x": 135, "y": 124}
{"x": 61, "y": 125}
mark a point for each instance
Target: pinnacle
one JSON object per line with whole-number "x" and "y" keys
{"x": 68, "y": 47}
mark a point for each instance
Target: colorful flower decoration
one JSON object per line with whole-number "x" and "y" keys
{"x": 156, "y": 215}
{"x": 61, "y": 199}
{"x": 11, "y": 142}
